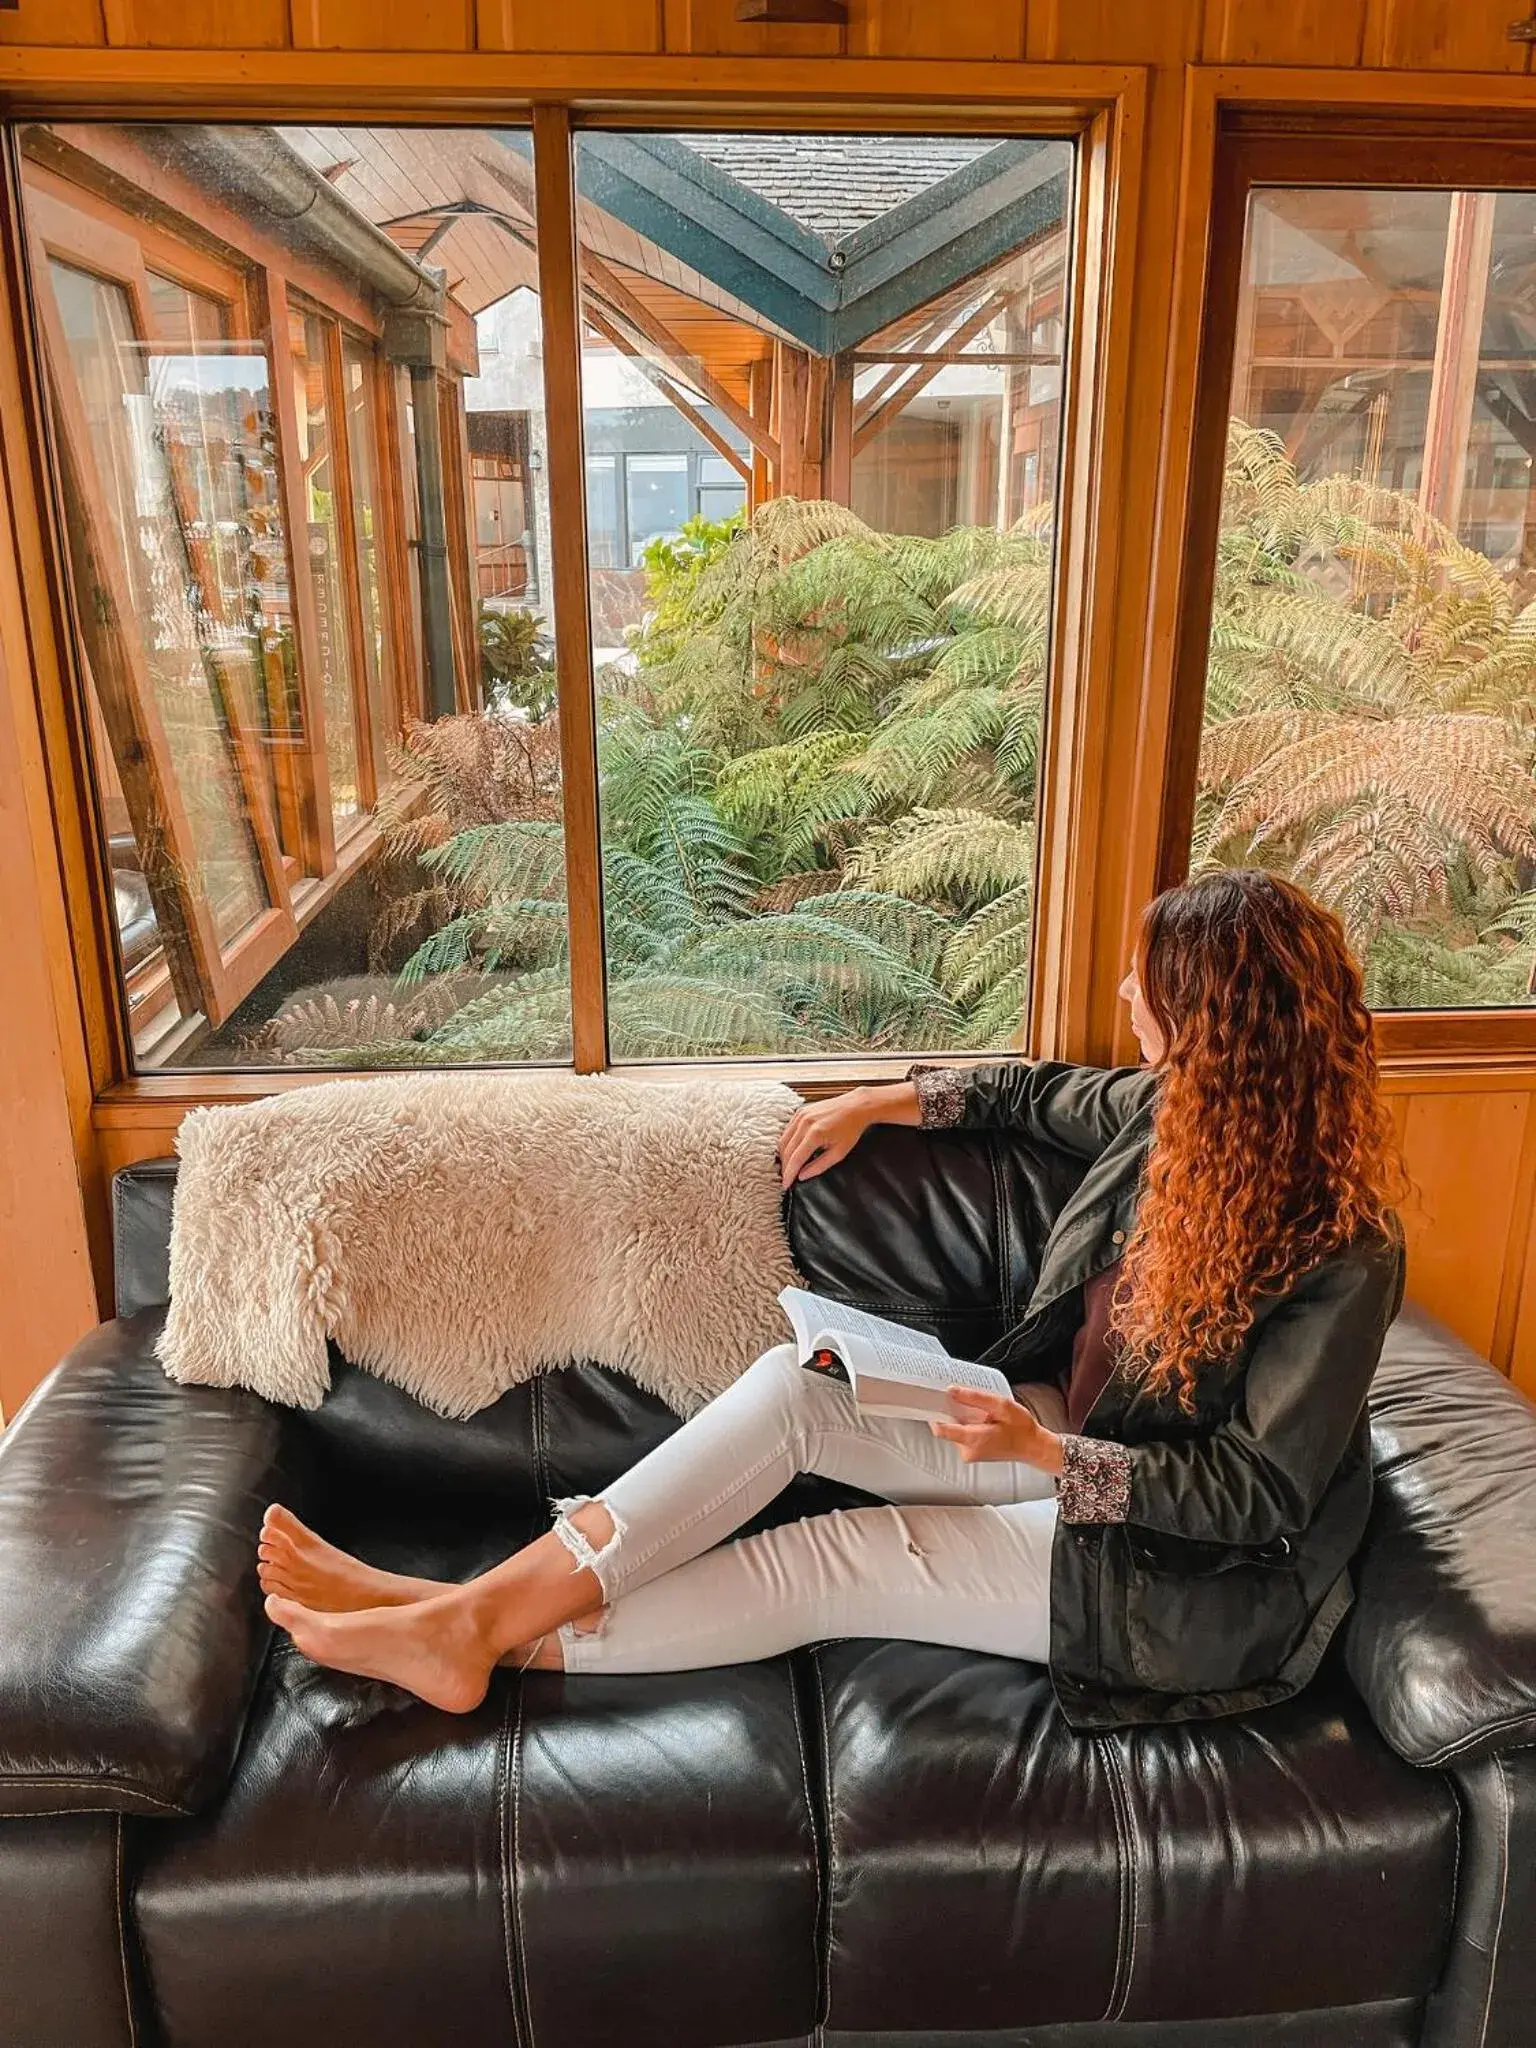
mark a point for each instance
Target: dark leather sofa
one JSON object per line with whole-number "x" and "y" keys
{"x": 205, "y": 1842}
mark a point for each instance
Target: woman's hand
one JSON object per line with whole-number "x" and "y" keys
{"x": 819, "y": 1134}
{"x": 996, "y": 1427}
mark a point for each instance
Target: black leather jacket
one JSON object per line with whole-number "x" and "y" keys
{"x": 1201, "y": 1561}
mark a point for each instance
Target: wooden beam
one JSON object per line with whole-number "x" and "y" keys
{"x": 837, "y": 474}
{"x": 668, "y": 390}
{"x": 760, "y": 391}
{"x": 814, "y": 427}
{"x": 611, "y": 289}
{"x": 560, "y": 301}
{"x": 1458, "y": 339}
{"x": 789, "y": 382}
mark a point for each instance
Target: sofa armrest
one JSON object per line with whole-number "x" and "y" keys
{"x": 1442, "y": 1639}
{"x": 131, "y": 1628}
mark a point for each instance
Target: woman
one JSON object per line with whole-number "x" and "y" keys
{"x": 1210, "y": 1309}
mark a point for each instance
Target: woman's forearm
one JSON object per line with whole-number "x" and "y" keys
{"x": 890, "y": 1102}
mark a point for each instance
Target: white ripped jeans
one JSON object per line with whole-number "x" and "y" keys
{"x": 962, "y": 1555}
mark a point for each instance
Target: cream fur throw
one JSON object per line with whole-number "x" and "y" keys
{"x": 458, "y": 1233}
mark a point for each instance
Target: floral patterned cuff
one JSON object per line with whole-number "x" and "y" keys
{"x": 940, "y": 1095}
{"x": 1095, "y": 1482}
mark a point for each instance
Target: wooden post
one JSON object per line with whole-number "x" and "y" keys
{"x": 760, "y": 398}
{"x": 815, "y": 427}
{"x": 1458, "y": 342}
{"x": 560, "y": 297}
{"x": 837, "y": 473}
{"x": 791, "y": 368}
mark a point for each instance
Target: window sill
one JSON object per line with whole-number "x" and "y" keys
{"x": 147, "y": 1098}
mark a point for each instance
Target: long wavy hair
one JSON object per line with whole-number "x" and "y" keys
{"x": 1271, "y": 1145}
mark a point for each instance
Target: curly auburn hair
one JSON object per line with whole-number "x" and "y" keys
{"x": 1271, "y": 1146}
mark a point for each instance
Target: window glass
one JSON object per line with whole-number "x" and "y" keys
{"x": 657, "y": 486}
{"x": 820, "y": 695}
{"x": 358, "y": 380}
{"x": 308, "y": 355}
{"x": 182, "y": 318}
{"x": 366, "y": 500}
{"x": 1368, "y": 726}
{"x": 168, "y": 690}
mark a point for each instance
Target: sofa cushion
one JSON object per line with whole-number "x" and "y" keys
{"x": 60, "y": 1897}
{"x": 941, "y": 1229}
{"x": 578, "y": 1860}
{"x": 1442, "y": 1639}
{"x": 142, "y": 1196}
{"x": 130, "y": 1618}
{"x": 1199, "y": 1871}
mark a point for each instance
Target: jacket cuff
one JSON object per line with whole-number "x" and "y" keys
{"x": 1095, "y": 1481}
{"x": 940, "y": 1095}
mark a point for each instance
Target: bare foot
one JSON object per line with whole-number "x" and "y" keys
{"x": 295, "y": 1564}
{"x": 433, "y": 1648}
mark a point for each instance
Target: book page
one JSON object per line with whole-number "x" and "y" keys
{"x": 943, "y": 1371}
{"x": 814, "y": 1318}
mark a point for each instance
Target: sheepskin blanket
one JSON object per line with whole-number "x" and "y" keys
{"x": 458, "y": 1233}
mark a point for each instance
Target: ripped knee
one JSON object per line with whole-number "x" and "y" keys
{"x": 589, "y": 1530}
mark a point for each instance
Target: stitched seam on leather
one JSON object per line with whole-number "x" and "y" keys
{"x": 886, "y": 1307}
{"x": 95, "y": 1785}
{"x": 1002, "y": 1291}
{"x": 58, "y": 1813}
{"x": 541, "y": 1483}
{"x": 824, "y": 1960}
{"x": 810, "y": 1816}
{"x": 1132, "y": 1883}
{"x": 1116, "y": 1994}
{"x": 1456, "y": 1872}
{"x": 117, "y": 1232}
{"x": 1463, "y": 1743}
{"x": 503, "y": 1771}
{"x": 516, "y": 1786}
{"x": 1498, "y": 1925}
{"x": 122, "y": 1943}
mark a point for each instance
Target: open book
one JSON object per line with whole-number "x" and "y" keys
{"x": 891, "y": 1369}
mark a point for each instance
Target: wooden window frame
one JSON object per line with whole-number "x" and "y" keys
{"x": 1101, "y": 108}
{"x": 1377, "y": 148}
{"x": 301, "y": 863}
{"x": 362, "y": 680}
{"x": 207, "y": 974}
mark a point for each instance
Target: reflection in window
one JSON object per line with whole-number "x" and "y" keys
{"x": 367, "y": 503}
{"x": 329, "y": 781}
{"x": 602, "y": 512}
{"x": 658, "y": 500}
{"x": 821, "y": 663}
{"x": 130, "y": 421}
{"x": 308, "y": 353}
{"x": 1372, "y": 662}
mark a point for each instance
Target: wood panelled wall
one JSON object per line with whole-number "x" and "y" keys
{"x": 1434, "y": 35}
{"x": 1468, "y": 1122}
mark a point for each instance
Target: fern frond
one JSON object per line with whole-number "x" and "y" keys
{"x": 935, "y": 853}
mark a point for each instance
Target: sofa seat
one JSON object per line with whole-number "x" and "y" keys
{"x": 1274, "y": 1864}
{"x": 602, "y": 1860}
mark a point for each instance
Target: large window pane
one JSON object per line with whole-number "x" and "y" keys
{"x": 132, "y": 416}
{"x": 822, "y": 388}
{"x": 367, "y": 514}
{"x": 298, "y": 393}
{"x": 1372, "y": 669}
{"x": 309, "y": 356}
